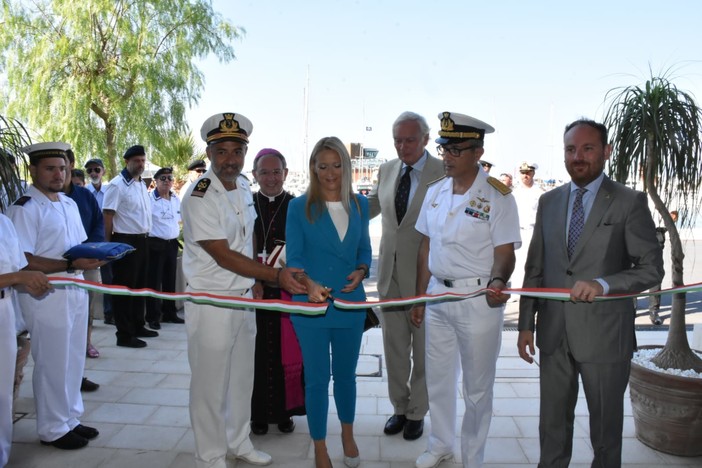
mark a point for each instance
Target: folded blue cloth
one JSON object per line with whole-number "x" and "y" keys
{"x": 99, "y": 250}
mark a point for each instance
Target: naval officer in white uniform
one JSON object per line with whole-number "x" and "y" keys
{"x": 218, "y": 257}
{"x": 470, "y": 226}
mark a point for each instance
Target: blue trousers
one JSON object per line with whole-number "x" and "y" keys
{"x": 345, "y": 344}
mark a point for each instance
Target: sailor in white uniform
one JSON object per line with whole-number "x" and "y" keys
{"x": 48, "y": 224}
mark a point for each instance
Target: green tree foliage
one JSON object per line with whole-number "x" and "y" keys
{"x": 13, "y": 166}
{"x": 176, "y": 151}
{"x": 655, "y": 134}
{"x": 107, "y": 74}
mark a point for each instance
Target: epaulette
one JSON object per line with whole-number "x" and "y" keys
{"x": 201, "y": 187}
{"x": 22, "y": 200}
{"x": 502, "y": 188}
{"x": 436, "y": 180}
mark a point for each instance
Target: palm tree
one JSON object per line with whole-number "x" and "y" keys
{"x": 655, "y": 134}
{"x": 176, "y": 151}
{"x": 13, "y": 167}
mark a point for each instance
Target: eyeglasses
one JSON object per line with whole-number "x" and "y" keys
{"x": 90, "y": 170}
{"x": 525, "y": 172}
{"x": 452, "y": 150}
{"x": 200, "y": 171}
{"x": 165, "y": 178}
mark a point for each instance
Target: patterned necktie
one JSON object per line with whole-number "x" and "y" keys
{"x": 402, "y": 195}
{"x": 577, "y": 221}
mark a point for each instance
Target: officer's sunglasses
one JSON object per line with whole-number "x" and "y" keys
{"x": 90, "y": 170}
{"x": 166, "y": 178}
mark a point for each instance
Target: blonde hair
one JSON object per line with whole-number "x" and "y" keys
{"x": 316, "y": 205}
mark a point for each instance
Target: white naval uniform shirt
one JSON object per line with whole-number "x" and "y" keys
{"x": 129, "y": 199}
{"x": 218, "y": 214}
{"x": 165, "y": 216}
{"x": 464, "y": 230}
{"x": 46, "y": 228}
{"x": 527, "y": 204}
{"x": 98, "y": 194}
{"x": 12, "y": 257}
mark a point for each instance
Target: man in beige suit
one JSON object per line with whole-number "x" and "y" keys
{"x": 402, "y": 185}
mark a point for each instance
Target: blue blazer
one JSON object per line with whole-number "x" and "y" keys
{"x": 326, "y": 259}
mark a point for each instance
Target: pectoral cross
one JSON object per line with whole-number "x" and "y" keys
{"x": 263, "y": 256}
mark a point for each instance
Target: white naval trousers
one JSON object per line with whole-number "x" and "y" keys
{"x": 8, "y": 357}
{"x": 221, "y": 345}
{"x": 465, "y": 334}
{"x": 57, "y": 324}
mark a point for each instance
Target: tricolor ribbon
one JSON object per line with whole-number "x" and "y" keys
{"x": 310, "y": 308}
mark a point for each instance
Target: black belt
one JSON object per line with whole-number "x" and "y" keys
{"x": 134, "y": 236}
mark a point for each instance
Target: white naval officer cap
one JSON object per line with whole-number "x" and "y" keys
{"x": 528, "y": 166}
{"x": 456, "y": 128}
{"x": 226, "y": 126}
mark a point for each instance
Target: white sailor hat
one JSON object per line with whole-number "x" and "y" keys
{"x": 49, "y": 149}
{"x": 456, "y": 128}
{"x": 527, "y": 166}
{"x": 226, "y": 126}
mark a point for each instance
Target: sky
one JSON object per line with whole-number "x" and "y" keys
{"x": 309, "y": 69}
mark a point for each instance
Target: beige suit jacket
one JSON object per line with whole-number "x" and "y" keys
{"x": 399, "y": 243}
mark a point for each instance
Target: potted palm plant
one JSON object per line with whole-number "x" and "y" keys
{"x": 655, "y": 134}
{"x": 13, "y": 136}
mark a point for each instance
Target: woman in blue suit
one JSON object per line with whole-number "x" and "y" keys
{"x": 327, "y": 236}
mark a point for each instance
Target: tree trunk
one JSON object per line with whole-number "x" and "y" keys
{"x": 111, "y": 148}
{"x": 676, "y": 354}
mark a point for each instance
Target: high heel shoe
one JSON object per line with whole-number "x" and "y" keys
{"x": 352, "y": 462}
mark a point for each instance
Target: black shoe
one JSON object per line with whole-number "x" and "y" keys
{"x": 88, "y": 386}
{"x": 174, "y": 319}
{"x": 413, "y": 429}
{"x": 131, "y": 343}
{"x": 287, "y": 426}
{"x": 154, "y": 326}
{"x": 395, "y": 424}
{"x": 109, "y": 320}
{"x": 69, "y": 441}
{"x": 144, "y": 333}
{"x": 86, "y": 432}
{"x": 655, "y": 318}
{"x": 259, "y": 428}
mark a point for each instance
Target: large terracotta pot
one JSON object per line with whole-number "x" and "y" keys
{"x": 667, "y": 410}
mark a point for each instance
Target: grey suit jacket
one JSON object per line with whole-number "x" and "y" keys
{"x": 399, "y": 243}
{"x": 619, "y": 245}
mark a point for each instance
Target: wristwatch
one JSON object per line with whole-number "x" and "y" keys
{"x": 69, "y": 266}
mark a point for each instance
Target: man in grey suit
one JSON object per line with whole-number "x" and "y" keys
{"x": 397, "y": 268}
{"x": 593, "y": 237}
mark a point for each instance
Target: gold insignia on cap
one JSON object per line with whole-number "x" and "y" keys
{"x": 448, "y": 127}
{"x": 447, "y": 123}
{"x": 229, "y": 125}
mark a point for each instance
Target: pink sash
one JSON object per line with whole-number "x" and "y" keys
{"x": 291, "y": 357}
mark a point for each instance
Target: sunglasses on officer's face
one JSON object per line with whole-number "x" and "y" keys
{"x": 90, "y": 170}
{"x": 166, "y": 178}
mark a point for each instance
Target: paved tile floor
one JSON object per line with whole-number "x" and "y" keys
{"x": 141, "y": 410}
